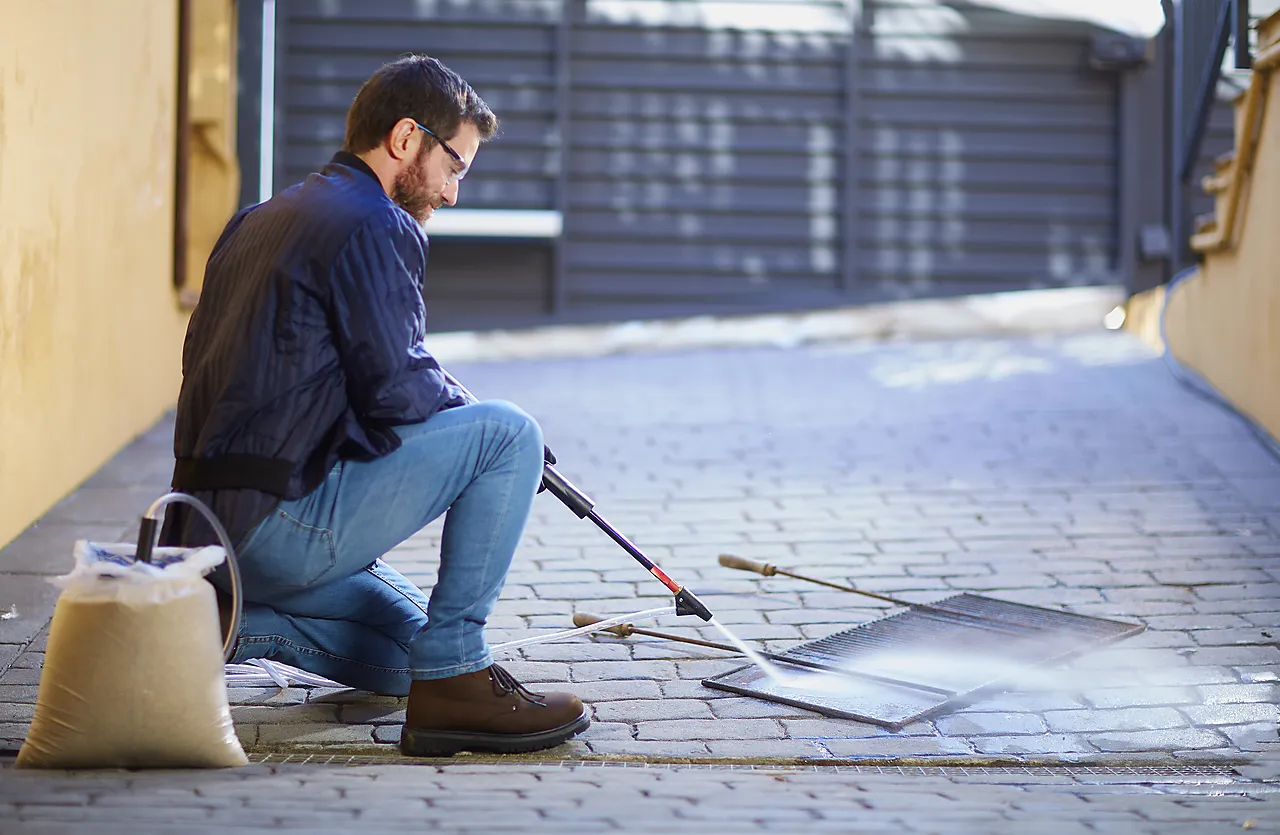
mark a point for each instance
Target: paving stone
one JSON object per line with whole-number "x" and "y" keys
{"x": 1140, "y": 696}
{"x": 1239, "y": 636}
{"x": 607, "y": 691}
{"x": 1187, "y": 676}
{"x": 14, "y": 730}
{"x": 284, "y": 714}
{"x": 1229, "y": 656}
{"x": 1184, "y": 622}
{"x": 350, "y": 696}
{"x": 1240, "y": 592}
{"x": 1256, "y": 736}
{"x": 30, "y": 660}
{"x": 652, "y": 709}
{"x": 1232, "y": 714}
{"x": 872, "y": 747}
{"x": 990, "y": 724}
{"x": 310, "y": 733}
{"x": 690, "y": 689}
{"x": 671, "y": 651}
{"x": 577, "y": 652}
{"x": 266, "y": 696}
{"x": 830, "y": 729}
{"x": 387, "y": 734}
{"x": 27, "y": 600}
{"x": 18, "y": 713}
{"x": 810, "y": 616}
{"x": 767, "y": 749}
{"x": 1032, "y": 701}
{"x": 11, "y": 694}
{"x": 707, "y": 668}
{"x": 620, "y": 670}
{"x": 606, "y": 730}
{"x": 708, "y": 729}
{"x": 1174, "y": 739}
{"x": 1045, "y": 744}
{"x": 650, "y": 748}
{"x": 368, "y": 714}
{"x": 247, "y": 734}
{"x": 1134, "y": 719}
{"x": 18, "y": 675}
{"x": 1219, "y": 694}
{"x": 740, "y": 708}
{"x": 583, "y": 591}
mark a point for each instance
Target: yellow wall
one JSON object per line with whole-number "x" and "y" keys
{"x": 90, "y": 333}
{"x": 1224, "y": 322}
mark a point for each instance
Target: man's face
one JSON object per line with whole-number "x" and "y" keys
{"x": 423, "y": 183}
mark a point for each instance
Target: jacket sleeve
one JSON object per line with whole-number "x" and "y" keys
{"x": 379, "y": 322}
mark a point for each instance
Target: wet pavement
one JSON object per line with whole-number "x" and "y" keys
{"x": 1069, "y": 472}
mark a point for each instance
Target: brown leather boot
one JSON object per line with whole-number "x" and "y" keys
{"x": 487, "y": 710}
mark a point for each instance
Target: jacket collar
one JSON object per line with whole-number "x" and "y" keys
{"x": 352, "y": 161}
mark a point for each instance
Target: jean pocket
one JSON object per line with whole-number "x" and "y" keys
{"x": 287, "y": 554}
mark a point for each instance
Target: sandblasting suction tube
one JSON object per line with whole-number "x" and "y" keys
{"x": 149, "y": 530}
{"x": 595, "y": 624}
{"x": 687, "y": 603}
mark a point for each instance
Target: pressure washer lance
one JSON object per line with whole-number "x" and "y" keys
{"x": 687, "y": 603}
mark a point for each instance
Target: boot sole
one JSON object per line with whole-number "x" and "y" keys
{"x": 420, "y": 742}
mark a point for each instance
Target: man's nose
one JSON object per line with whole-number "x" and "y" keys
{"x": 450, "y": 195}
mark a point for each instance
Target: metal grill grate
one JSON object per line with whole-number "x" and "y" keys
{"x": 941, "y": 655}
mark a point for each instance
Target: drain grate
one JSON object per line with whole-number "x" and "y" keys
{"x": 926, "y": 660}
{"x": 1137, "y": 773}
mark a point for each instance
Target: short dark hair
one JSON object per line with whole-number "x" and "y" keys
{"x": 422, "y": 88}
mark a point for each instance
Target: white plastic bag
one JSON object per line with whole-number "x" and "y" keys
{"x": 133, "y": 675}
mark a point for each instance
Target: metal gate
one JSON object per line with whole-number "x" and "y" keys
{"x": 724, "y": 155}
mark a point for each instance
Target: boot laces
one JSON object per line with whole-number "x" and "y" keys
{"x": 505, "y": 684}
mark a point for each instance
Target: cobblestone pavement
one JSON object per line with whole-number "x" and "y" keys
{"x": 1068, "y": 472}
{"x": 716, "y": 799}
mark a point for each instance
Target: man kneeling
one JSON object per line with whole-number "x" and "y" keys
{"x": 316, "y": 425}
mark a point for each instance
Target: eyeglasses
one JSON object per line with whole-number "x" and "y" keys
{"x": 457, "y": 175}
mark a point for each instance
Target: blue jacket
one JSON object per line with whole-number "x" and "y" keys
{"x": 306, "y": 348}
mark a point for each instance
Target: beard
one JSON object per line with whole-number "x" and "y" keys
{"x": 410, "y": 191}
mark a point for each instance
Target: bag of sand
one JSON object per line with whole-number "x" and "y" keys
{"x": 133, "y": 675}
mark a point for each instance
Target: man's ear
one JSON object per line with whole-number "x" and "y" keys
{"x": 400, "y": 140}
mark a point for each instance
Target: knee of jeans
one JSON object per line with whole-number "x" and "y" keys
{"x": 525, "y": 433}
{"x": 520, "y": 421}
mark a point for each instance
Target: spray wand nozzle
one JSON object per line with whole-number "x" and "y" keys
{"x": 687, "y": 603}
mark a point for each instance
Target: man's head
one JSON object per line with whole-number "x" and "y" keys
{"x": 418, "y": 125}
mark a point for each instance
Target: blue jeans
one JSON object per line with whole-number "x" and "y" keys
{"x": 318, "y": 596}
